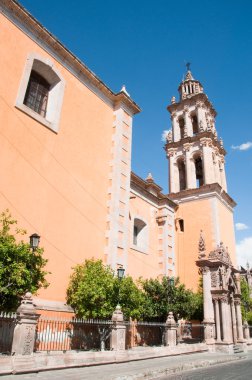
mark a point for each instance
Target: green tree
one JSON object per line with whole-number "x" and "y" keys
{"x": 91, "y": 291}
{"x": 169, "y": 295}
{"x": 246, "y": 302}
{"x": 21, "y": 269}
{"x": 130, "y": 297}
{"x": 94, "y": 291}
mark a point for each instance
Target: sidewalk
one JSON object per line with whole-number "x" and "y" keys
{"x": 136, "y": 370}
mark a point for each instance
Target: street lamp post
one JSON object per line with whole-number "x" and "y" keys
{"x": 120, "y": 275}
{"x": 171, "y": 284}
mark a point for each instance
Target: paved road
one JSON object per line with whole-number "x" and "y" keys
{"x": 241, "y": 370}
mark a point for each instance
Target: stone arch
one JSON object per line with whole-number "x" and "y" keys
{"x": 181, "y": 173}
{"x": 195, "y": 123}
{"x": 198, "y": 171}
{"x": 181, "y": 122}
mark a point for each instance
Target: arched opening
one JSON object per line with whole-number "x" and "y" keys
{"x": 195, "y": 125}
{"x": 140, "y": 234}
{"x": 182, "y": 175}
{"x": 199, "y": 171}
{"x": 181, "y": 127}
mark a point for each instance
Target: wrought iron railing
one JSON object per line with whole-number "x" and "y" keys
{"x": 7, "y": 325}
{"x": 76, "y": 334}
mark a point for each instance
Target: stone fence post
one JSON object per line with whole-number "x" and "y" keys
{"x": 170, "y": 331}
{"x": 25, "y": 330}
{"x": 118, "y": 333}
{"x": 246, "y": 331}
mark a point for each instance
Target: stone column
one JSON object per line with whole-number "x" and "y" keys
{"x": 223, "y": 174}
{"x": 188, "y": 166}
{"x": 208, "y": 306}
{"x": 118, "y": 333}
{"x": 208, "y": 165}
{"x": 201, "y": 117}
{"x": 246, "y": 331}
{"x": 234, "y": 322}
{"x": 188, "y": 123}
{"x": 224, "y": 320}
{"x": 239, "y": 320}
{"x": 170, "y": 331}
{"x": 175, "y": 127}
{"x": 172, "y": 180}
{"x": 25, "y": 330}
{"x": 217, "y": 320}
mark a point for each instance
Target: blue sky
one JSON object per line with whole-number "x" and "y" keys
{"x": 145, "y": 45}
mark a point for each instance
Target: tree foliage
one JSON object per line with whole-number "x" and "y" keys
{"x": 94, "y": 291}
{"x": 21, "y": 269}
{"x": 166, "y": 295}
{"x": 246, "y": 302}
{"x": 91, "y": 291}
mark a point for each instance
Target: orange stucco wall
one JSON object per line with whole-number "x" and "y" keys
{"x": 54, "y": 184}
{"x": 143, "y": 263}
{"x": 156, "y": 259}
{"x": 227, "y": 233}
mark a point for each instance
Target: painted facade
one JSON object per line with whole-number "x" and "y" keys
{"x": 66, "y": 159}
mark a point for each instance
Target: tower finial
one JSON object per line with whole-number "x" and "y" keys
{"x": 188, "y": 64}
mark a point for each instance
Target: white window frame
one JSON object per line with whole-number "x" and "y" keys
{"x": 44, "y": 67}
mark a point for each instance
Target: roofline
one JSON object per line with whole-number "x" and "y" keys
{"x": 160, "y": 198}
{"x": 23, "y": 16}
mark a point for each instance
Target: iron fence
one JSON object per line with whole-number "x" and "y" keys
{"x": 144, "y": 334}
{"x": 7, "y": 325}
{"x": 190, "y": 333}
{"x": 75, "y": 334}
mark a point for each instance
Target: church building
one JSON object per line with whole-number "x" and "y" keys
{"x": 66, "y": 140}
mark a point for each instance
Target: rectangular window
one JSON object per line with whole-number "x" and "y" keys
{"x": 135, "y": 235}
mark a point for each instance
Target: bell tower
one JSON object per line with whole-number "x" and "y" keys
{"x": 199, "y": 158}
{"x": 197, "y": 179}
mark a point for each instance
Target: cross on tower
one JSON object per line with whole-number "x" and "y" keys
{"x": 188, "y": 66}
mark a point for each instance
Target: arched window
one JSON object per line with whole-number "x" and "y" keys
{"x": 181, "y": 127}
{"x": 37, "y": 92}
{"x": 41, "y": 91}
{"x": 195, "y": 124}
{"x": 182, "y": 175}
{"x": 199, "y": 171}
{"x": 140, "y": 234}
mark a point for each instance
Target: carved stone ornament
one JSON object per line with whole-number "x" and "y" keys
{"x": 171, "y": 152}
{"x": 169, "y": 136}
{"x": 173, "y": 100}
{"x": 201, "y": 128}
{"x": 214, "y": 280}
{"x": 185, "y": 131}
{"x": 187, "y": 147}
{"x": 186, "y": 109}
{"x": 221, "y": 253}
{"x": 202, "y": 246}
{"x": 205, "y": 270}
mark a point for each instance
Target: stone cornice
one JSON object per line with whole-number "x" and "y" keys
{"x": 190, "y": 102}
{"x": 144, "y": 187}
{"x": 212, "y": 188}
{"x": 196, "y": 138}
{"x": 21, "y": 15}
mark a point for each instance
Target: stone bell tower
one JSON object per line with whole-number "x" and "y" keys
{"x": 197, "y": 179}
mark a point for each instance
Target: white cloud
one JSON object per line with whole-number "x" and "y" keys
{"x": 164, "y": 135}
{"x": 244, "y": 146}
{"x": 241, "y": 226}
{"x": 244, "y": 251}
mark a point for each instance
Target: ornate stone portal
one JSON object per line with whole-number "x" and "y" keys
{"x": 222, "y": 296}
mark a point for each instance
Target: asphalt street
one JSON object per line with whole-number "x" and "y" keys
{"x": 240, "y": 370}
